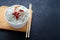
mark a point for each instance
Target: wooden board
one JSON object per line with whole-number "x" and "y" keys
{"x": 5, "y": 25}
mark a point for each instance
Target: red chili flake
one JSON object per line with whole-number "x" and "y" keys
{"x": 21, "y": 10}
{"x": 16, "y": 14}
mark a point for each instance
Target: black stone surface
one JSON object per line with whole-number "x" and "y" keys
{"x": 46, "y": 19}
{"x": 11, "y": 35}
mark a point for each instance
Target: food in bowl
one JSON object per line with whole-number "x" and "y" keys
{"x": 17, "y": 15}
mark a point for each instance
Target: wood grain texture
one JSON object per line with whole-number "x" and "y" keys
{"x": 5, "y": 25}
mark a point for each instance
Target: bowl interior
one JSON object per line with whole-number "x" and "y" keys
{"x": 9, "y": 11}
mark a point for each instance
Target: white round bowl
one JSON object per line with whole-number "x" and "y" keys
{"x": 10, "y": 10}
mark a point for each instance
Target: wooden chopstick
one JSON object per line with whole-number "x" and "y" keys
{"x": 27, "y": 30}
{"x": 30, "y": 8}
{"x": 29, "y": 22}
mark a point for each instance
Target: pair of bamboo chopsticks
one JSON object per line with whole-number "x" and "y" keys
{"x": 29, "y": 22}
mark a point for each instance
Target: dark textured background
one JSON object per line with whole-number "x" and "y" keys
{"x": 45, "y": 23}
